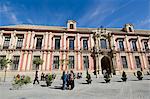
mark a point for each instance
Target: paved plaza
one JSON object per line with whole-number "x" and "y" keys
{"x": 132, "y": 89}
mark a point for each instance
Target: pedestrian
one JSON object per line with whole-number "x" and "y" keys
{"x": 36, "y": 78}
{"x": 72, "y": 79}
{"x": 64, "y": 78}
{"x": 42, "y": 76}
{"x": 68, "y": 79}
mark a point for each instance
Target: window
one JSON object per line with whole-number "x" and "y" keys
{"x": 85, "y": 44}
{"x": 138, "y": 62}
{"x": 130, "y": 30}
{"x": 39, "y": 43}
{"x": 103, "y": 43}
{"x": 71, "y": 44}
{"x": 124, "y": 62}
{"x": 71, "y": 62}
{"x": 121, "y": 46}
{"x": 2, "y": 57}
{"x": 6, "y": 42}
{"x": 15, "y": 62}
{"x": 71, "y": 26}
{"x": 86, "y": 62}
{"x": 34, "y": 65}
{"x": 146, "y": 46}
{"x": 56, "y": 62}
{"x": 19, "y": 42}
{"x": 148, "y": 58}
{"x": 134, "y": 47}
{"x": 57, "y": 44}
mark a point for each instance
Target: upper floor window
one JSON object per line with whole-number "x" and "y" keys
{"x": 103, "y": 43}
{"x": 71, "y": 26}
{"x": 130, "y": 30}
{"x": 56, "y": 62}
{"x": 86, "y": 62}
{"x": 34, "y": 67}
{"x": 133, "y": 44}
{"x": 85, "y": 44}
{"x": 138, "y": 62}
{"x": 2, "y": 57}
{"x": 146, "y": 45}
{"x": 6, "y": 42}
{"x": 71, "y": 62}
{"x": 124, "y": 62}
{"x": 19, "y": 42}
{"x": 121, "y": 45}
{"x": 57, "y": 44}
{"x": 15, "y": 62}
{"x": 39, "y": 43}
{"x": 71, "y": 44}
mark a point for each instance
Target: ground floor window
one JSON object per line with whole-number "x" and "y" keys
{"x": 86, "y": 62}
{"x": 137, "y": 61}
{"x": 2, "y": 57}
{"x": 15, "y": 62}
{"x": 71, "y": 62}
{"x": 34, "y": 67}
{"x": 124, "y": 62}
{"x": 56, "y": 62}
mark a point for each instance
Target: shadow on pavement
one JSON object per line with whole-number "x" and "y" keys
{"x": 102, "y": 82}
{"x": 43, "y": 85}
{"x": 119, "y": 81}
{"x": 83, "y": 83}
{"x": 56, "y": 87}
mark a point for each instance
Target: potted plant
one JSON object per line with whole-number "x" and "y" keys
{"x": 139, "y": 75}
{"x": 88, "y": 77}
{"x": 124, "y": 76}
{"x": 48, "y": 79}
{"x": 107, "y": 77}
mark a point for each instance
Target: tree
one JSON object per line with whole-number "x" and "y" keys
{"x": 37, "y": 62}
{"x": 4, "y": 64}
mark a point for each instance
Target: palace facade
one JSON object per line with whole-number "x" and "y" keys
{"x": 73, "y": 48}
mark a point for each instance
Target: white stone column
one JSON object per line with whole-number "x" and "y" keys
{"x": 29, "y": 61}
{"x": 25, "y": 60}
{"x": 25, "y": 40}
{"x": 43, "y": 41}
{"x": 78, "y": 38}
{"x": 50, "y": 40}
{"x": 79, "y": 61}
{"x": 28, "y": 39}
{"x": 139, "y": 44}
{"x": 44, "y": 63}
{"x": 64, "y": 47}
{"x": 9, "y": 56}
{"x": 12, "y": 40}
{"x": 46, "y": 41}
{"x": 48, "y": 62}
{"x": 32, "y": 40}
{"x": 64, "y": 58}
{"x": 35, "y": 41}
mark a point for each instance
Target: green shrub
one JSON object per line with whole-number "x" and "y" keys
{"x": 21, "y": 81}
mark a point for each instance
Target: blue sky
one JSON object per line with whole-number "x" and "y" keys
{"x": 87, "y": 13}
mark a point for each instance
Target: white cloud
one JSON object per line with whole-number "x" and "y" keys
{"x": 30, "y": 21}
{"x": 9, "y": 13}
{"x": 144, "y": 23}
{"x": 99, "y": 12}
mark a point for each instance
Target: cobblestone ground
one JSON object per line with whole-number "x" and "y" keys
{"x": 132, "y": 89}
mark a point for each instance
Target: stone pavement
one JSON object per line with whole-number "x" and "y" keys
{"x": 132, "y": 89}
